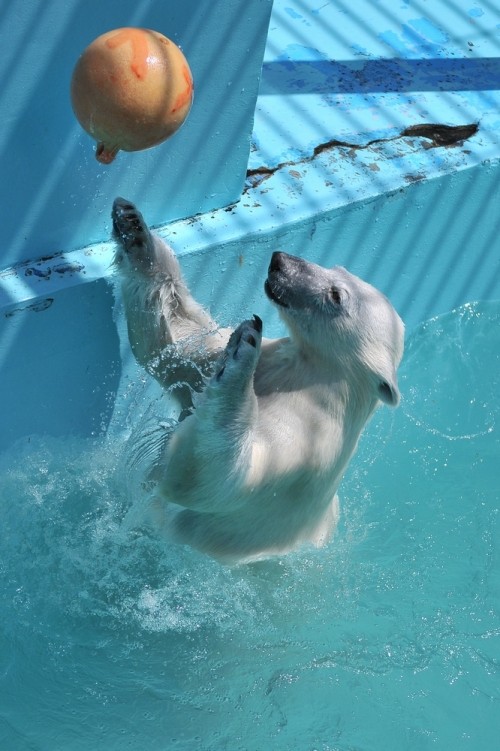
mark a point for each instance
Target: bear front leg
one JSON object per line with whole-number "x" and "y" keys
{"x": 208, "y": 458}
{"x": 170, "y": 334}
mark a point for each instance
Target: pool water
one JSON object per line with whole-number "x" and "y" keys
{"x": 388, "y": 638}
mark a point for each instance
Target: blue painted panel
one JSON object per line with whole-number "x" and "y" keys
{"x": 417, "y": 219}
{"x": 59, "y": 364}
{"x": 356, "y": 71}
{"x": 57, "y": 195}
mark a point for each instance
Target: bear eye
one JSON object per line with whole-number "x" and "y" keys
{"x": 335, "y": 295}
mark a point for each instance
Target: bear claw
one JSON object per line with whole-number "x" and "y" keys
{"x": 257, "y": 322}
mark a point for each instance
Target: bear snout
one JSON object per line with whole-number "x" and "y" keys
{"x": 277, "y": 260}
{"x": 282, "y": 268}
{"x": 281, "y": 261}
{"x": 272, "y": 284}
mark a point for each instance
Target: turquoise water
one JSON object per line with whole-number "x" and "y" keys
{"x": 389, "y": 638}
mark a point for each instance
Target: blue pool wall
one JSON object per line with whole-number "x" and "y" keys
{"x": 419, "y": 220}
{"x": 430, "y": 247}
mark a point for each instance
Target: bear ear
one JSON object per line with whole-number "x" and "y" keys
{"x": 388, "y": 392}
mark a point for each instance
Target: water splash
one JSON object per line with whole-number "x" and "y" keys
{"x": 165, "y": 648}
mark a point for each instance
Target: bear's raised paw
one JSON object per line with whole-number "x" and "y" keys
{"x": 132, "y": 234}
{"x": 242, "y": 350}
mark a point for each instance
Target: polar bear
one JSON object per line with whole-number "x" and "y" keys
{"x": 267, "y": 427}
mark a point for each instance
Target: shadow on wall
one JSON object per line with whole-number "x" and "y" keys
{"x": 288, "y": 77}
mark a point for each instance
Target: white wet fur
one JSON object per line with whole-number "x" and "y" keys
{"x": 255, "y": 461}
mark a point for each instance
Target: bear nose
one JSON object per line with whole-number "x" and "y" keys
{"x": 276, "y": 261}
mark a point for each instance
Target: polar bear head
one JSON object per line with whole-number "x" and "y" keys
{"x": 339, "y": 320}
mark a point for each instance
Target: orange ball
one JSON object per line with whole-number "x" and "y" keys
{"x": 131, "y": 89}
